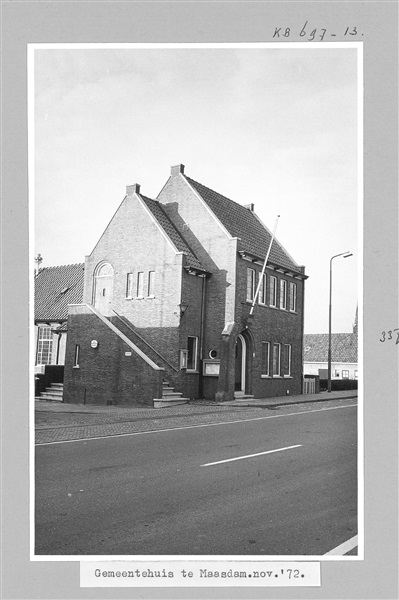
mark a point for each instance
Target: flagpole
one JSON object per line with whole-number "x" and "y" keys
{"x": 263, "y": 269}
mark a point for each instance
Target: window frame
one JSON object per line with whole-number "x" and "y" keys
{"x": 273, "y": 291}
{"x": 151, "y": 284}
{"x": 140, "y": 284}
{"x": 343, "y": 375}
{"x": 76, "y": 357}
{"x": 129, "y": 285}
{"x": 251, "y": 278}
{"x": 193, "y": 369}
{"x": 289, "y": 348}
{"x": 277, "y": 346}
{"x": 293, "y": 297}
{"x": 265, "y": 365}
{"x": 41, "y": 341}
{"x": 283, "y": 294}
{"x": 262, "y": 298}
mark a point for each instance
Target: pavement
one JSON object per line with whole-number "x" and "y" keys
{"x": 57, "y": 422}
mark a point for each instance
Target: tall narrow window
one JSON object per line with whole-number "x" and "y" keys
{"x": 129, "y": 285}
{"x": 151, "y": 281}
{"x": 283, "y": 294}
{"x": 140, "y": 285}
{"x": 292, "y": 297}
{"x": 273, "y": 291}
{"x": 76, "y": 358}
{"x": 44, "y": 346}
{"x": 250, "y": 285}
{"x": 265, "y": 371}
{"x": 276, "y": 360}
{"x": 262, "y": 290}
{"x": 287, "y": 360}
{"x": 192, "y": 345}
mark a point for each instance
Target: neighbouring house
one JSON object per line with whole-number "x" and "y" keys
{"x": 167, "y": 293}
{"x": 55, "y": 288}
{"x": 344, "y": 361}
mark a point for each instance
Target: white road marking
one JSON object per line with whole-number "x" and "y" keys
{"x": 219, "y": 462}
{"x": 343, "y": 548}
{"x": 118, "y": 435}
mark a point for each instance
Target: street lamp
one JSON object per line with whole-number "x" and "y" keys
{"x": 345, "y": 255}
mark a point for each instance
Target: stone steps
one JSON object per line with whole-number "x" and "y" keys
{"x": 54, "y": 393}
{"x": 169, "y": 397}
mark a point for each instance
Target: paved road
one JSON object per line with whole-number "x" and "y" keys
{"x": 150, "y": 493}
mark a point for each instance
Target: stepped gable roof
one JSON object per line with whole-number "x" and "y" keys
{"x": 164, "y": 221}
{"x": 55, "y": 288}
{"x": 343, "y": 347}
{"x": 243, "y": 223}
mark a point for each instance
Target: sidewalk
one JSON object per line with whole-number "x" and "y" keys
{"x": 284, "y": 400}
{"x": 46, "y": 406}
{"x": 57, "y": 422}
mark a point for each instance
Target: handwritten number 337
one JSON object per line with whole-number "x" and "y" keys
{"x": 384, "y": 338}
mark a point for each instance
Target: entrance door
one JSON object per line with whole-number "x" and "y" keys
{"x": 104, "y": 284}
{"x": 241, "y": 353}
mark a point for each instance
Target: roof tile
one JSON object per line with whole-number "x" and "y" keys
{"x": 55, "y": 288}
{"x": 343, "y": 347}
{"x": 243, "y": 223}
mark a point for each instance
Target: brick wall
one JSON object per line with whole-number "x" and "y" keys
{"x": 106, "y": 375}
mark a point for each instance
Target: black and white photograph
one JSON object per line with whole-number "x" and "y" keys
{"x": 199, "y": 317}
{"x": 196, "y": 223}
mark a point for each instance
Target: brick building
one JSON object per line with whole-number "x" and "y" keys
{"x": 167, "y": 293}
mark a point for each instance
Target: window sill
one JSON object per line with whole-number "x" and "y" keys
{"x": 265, "y": 377}
{"x": 150, "y": 297}
{"x": 191, "y": 371}
{"x": 288, "y": 377}
{"x": 76, "y": 367}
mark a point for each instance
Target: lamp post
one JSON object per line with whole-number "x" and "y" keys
{"x": 345, "y": 255}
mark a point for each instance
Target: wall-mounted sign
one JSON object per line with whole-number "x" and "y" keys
{"x": 94, "y": 343}
{"x": 211, "y": 368}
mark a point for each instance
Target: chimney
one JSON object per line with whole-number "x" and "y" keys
{"x": 250, "y": 207}
{"x": 177, "y": 169}
{"x": 132, "y": 189}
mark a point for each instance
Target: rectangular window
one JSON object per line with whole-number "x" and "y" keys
{"x": 192, "y": 344}
{"x": 250, "y": 285}
{"x": 140, "y": 285}
{"x": 44, "y": 346}
{"x": 292, "y": 297}
{"x": 129, "y": 285}
{"x": 265, "y": 359}
{"x": 262, "y": 290}
{"x": 273, "y": 291}
{"x": 345, "y": 374}
{"x": 276, "y": 360}
{"x": 76, "y": 358}
{"x": 151, "y": 281}
{"x": 283, "y": 294}
{"x": 355, "y": 374}
{"x": 287, "y": 360}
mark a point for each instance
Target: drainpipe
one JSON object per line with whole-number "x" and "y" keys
{"x": 202, "y": 328}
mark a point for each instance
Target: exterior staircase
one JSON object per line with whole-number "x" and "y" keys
{"x": 169, "y": 397}
{"x": 53, "y": 393}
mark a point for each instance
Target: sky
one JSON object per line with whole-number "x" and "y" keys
{"x": 274, "y": 126}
